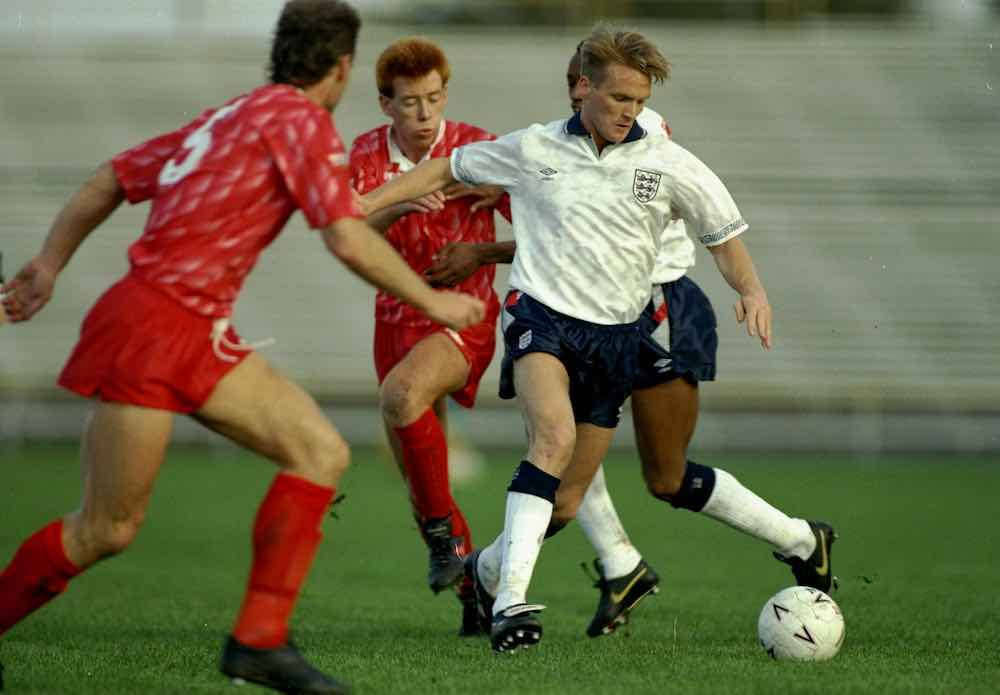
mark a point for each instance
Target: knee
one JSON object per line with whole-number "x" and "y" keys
{"x": 664, "y": 484}
{"x": 323, "y": 456}
{"x": 665, "y": 478}
{"x": 399, "y": 402}
{"x": 691, "y": 490}
{"x": 553, "y": 442}
{"x": 333, "y": 453}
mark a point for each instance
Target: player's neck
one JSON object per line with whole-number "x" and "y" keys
{"x": 415, "y": 153}
{"x": 599, "y": 142}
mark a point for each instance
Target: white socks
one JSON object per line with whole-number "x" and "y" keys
{"x": 736, "y": 506}
{"x": 525, "y": 521}
{"x": 488, "y": 566}
{"x": 604, "y": 530}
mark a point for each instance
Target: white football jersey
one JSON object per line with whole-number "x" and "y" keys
{"x": 589, "y": 226}
{"x": 677, "y": 253}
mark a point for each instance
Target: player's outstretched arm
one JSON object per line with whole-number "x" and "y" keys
{"x": 430, "y": 176}
{"x": 32, "y": 287}
{"x": 369, "y": 256}
{"x": 487, "y": 195}
{"x": 381, "y": 220}
{"x": 734, "y": 262}
{"x": 456, "y": 261}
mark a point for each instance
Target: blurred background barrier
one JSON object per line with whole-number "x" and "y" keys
{"x": 859, "y": 138}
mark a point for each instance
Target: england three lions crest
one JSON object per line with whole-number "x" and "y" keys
{"x": 645, "y": 185}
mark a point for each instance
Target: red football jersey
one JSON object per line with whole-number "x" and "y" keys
{"x": 418, "y": 236}
{"x": 222, "y": 188}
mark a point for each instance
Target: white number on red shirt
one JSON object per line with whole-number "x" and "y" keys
{"x": 195, "y": 145}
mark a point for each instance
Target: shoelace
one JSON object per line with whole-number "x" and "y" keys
{"x": 219, "y": 341}
{"x": 442, "y": 546}
{"x": 333, "y": 512}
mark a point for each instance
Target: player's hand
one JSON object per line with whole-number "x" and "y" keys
{"x": 29, "y": 290}
{"x": 755, "y": 311}
{"x": 432, "y": 202}
{"x": 456, "y": 310}
{"x": 488, "y": 194}
{"x": 360, "y": 203}
{"x": 452, "y": 264}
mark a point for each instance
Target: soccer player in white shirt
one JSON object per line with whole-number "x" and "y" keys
{"x": 591, "y": 197}
{"x": 679, "y": 353}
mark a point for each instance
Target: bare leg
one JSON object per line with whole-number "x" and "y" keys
{"x": 542, "y": 386}
{"x": 412, "y": 399}
{"x": 121, "y": 454}
{"x": 260, "y": 409}
{"x": 664, "y": 418}
{"x": 257, "y": 407}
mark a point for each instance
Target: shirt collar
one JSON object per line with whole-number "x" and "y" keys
{"x": 401, "y": 161}
{"x": 574, "y": 126}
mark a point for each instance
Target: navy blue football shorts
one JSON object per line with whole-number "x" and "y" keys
{"x": 599, "y": 359}
{"x": 679, "y": 339}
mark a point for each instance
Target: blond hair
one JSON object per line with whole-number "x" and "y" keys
{"x": 606, "y": 46}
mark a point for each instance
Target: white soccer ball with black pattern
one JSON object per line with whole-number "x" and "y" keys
{"x": 801, "y": 624}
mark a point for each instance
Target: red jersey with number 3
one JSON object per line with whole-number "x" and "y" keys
{"x": 223, "y": 187}
{"x": 418, "y": 236}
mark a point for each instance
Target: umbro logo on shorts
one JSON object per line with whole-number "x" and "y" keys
{"x": 525, "y": 340}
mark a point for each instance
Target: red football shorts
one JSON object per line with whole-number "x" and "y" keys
{"x": 139, "y": 346}
{"x": 393, "y": 342}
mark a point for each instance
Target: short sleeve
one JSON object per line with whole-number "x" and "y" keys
{"x": 138, "y": 168}
{"x": 313, "y": 165}
{"x": 495, "y": 162}
{"x": 704, "y": 203}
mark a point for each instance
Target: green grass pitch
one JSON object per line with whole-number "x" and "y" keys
{"x": 918, "y": 561}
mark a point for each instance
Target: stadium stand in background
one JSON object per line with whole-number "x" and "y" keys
{"x": 864, "y": 154}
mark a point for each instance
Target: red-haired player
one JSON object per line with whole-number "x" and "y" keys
{"x": 419, "y": 361}
{"x": 158, "y": 342}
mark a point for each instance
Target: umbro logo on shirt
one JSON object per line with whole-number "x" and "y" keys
{"x": 547, "y": 173}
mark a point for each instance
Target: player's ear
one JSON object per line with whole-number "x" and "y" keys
{"x": 384, "y": 103}
{"x": 343, "y": 67}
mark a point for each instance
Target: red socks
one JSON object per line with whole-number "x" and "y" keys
{"x": 38, "y": 573}
{"x": 285, "y": 537}
{"x": 425, "y": 459}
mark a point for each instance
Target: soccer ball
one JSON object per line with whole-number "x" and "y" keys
{"x": 801, "y": 624}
